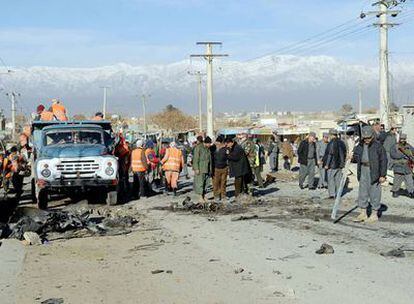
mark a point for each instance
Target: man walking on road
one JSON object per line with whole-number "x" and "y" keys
{"x": 333, "y": 162}
{"x": 173, "y": 163}
{"x": 239, "y": 167}
{"x": 307, "y": 161}
{"x": 139, "y": 168}
{"x": 250, "y": 151}
{"x": 371, "y": 158}
{"x": 320, "y": 153}
{"x": 402, "y": 155}
{"x": 221, "y": 170}
{"x": 202, "y": 166}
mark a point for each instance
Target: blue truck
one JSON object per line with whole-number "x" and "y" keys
{"x": 73, "y": 157}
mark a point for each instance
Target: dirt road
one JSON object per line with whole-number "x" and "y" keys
{"x": 181, "y": 257}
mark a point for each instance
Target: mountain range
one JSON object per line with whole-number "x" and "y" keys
{"x": 281, "y": 83}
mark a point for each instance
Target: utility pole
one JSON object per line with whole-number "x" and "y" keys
{"x": 384, "y": 9}
{"x": 144, "y": 99}
{"x": 12, "y": 96}
{"x": 209, "y": 56}
{"x": 104, "y": 101}
{"x": 360, "y": 97}
{"x": 199, "y": 77}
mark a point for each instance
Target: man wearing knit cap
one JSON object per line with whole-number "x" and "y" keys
{"x": 307, "y": 160}
{"x": 333, "y": 162}
{"x": 372, "y": 162}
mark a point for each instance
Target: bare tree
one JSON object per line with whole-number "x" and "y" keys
{"x": 173, "y": 119}
{"x": 346, "y": 109}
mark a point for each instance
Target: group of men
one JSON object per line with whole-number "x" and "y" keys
{"x": 56, "y": 111}
{"x": 376, "y": 152}
{"x": 14, "y": 165}
{"x": 328, "y": 155}
{"x": 241, "y": 158}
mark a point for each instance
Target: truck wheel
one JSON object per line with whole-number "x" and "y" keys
{"x": 43, "y": 200}
{"x": 33, "y": 191}
{"x": 112, "y": 198}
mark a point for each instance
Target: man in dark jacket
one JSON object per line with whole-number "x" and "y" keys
{"x": 202, "y": 166}
{"x": 372, "y": 162}
{"x": 402, "y": 155}
{"x": 334, "y": 162}
{"x": 307, "y": 160}
{"x": 221, "y": 169}
{"x": 239, "y": 167}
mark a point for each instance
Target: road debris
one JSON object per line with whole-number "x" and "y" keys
{"x": 245, "y": 218}
{"x": 157, "y": 271}
{"x": 325, "y": 249}
{"x": 53, "y": 301}
{"x": 68, "y": 224}
{"x": 395, "y": 253}
{"x": 238, "y": 270}
{"x": 32, "y": 238}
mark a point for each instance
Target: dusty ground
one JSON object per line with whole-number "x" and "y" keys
{"x": 214, "y": 258}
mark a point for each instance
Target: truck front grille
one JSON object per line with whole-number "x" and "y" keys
{"x": 77, "y": 168}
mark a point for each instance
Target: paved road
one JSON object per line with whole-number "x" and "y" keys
{"x": 12, "y": 255}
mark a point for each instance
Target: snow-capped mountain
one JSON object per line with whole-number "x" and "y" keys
{"x": 280, "y": 82}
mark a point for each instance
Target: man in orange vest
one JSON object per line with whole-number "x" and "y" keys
{"x": 43, "y": 114}
{"x": 59, "y": 110}
{"x": 173, "y": 162}
{"x": 139, "y": 167}
{"x": 98, "y": 117}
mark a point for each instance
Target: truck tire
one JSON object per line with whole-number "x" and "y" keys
{"x": 33, "y": 191}
{"x": 43, "y": 200}
{"x": 112, "y": 198}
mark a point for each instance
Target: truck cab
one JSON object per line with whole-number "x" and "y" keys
{"x": 73, "y": 157}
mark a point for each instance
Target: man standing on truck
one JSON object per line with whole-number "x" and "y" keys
{"x": 98, "y": 116}
{"x": 59, "y": 110}
{"x": 43, "y": 114}
{"x": 139, "y": 167}
{"x": 173, "y": 163}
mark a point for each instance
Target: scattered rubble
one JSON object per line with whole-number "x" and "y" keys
{"x": 325, "y": 249}
{"x": 69, "y": 223}
{"x": 53, "y": 301}
{"x": 245, "y": 217}
{"x": 395, "y": 253}
{"x": 32, "y": 238}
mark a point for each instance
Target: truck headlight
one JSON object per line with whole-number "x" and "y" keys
{"x": 109, "y": 171}
{"x": 46, "y": 173}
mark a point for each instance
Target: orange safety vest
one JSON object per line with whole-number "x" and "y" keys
{"x": 46, "y": 116}
{"x": 137, "y": 163}
{"x": 59, "y": 111}
{"x": 174, "y": 160}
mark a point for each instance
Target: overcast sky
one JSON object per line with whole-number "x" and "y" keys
{"x": 87, "y": 33}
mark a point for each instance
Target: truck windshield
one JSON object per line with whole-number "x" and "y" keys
{"x": 88, "y": 137}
